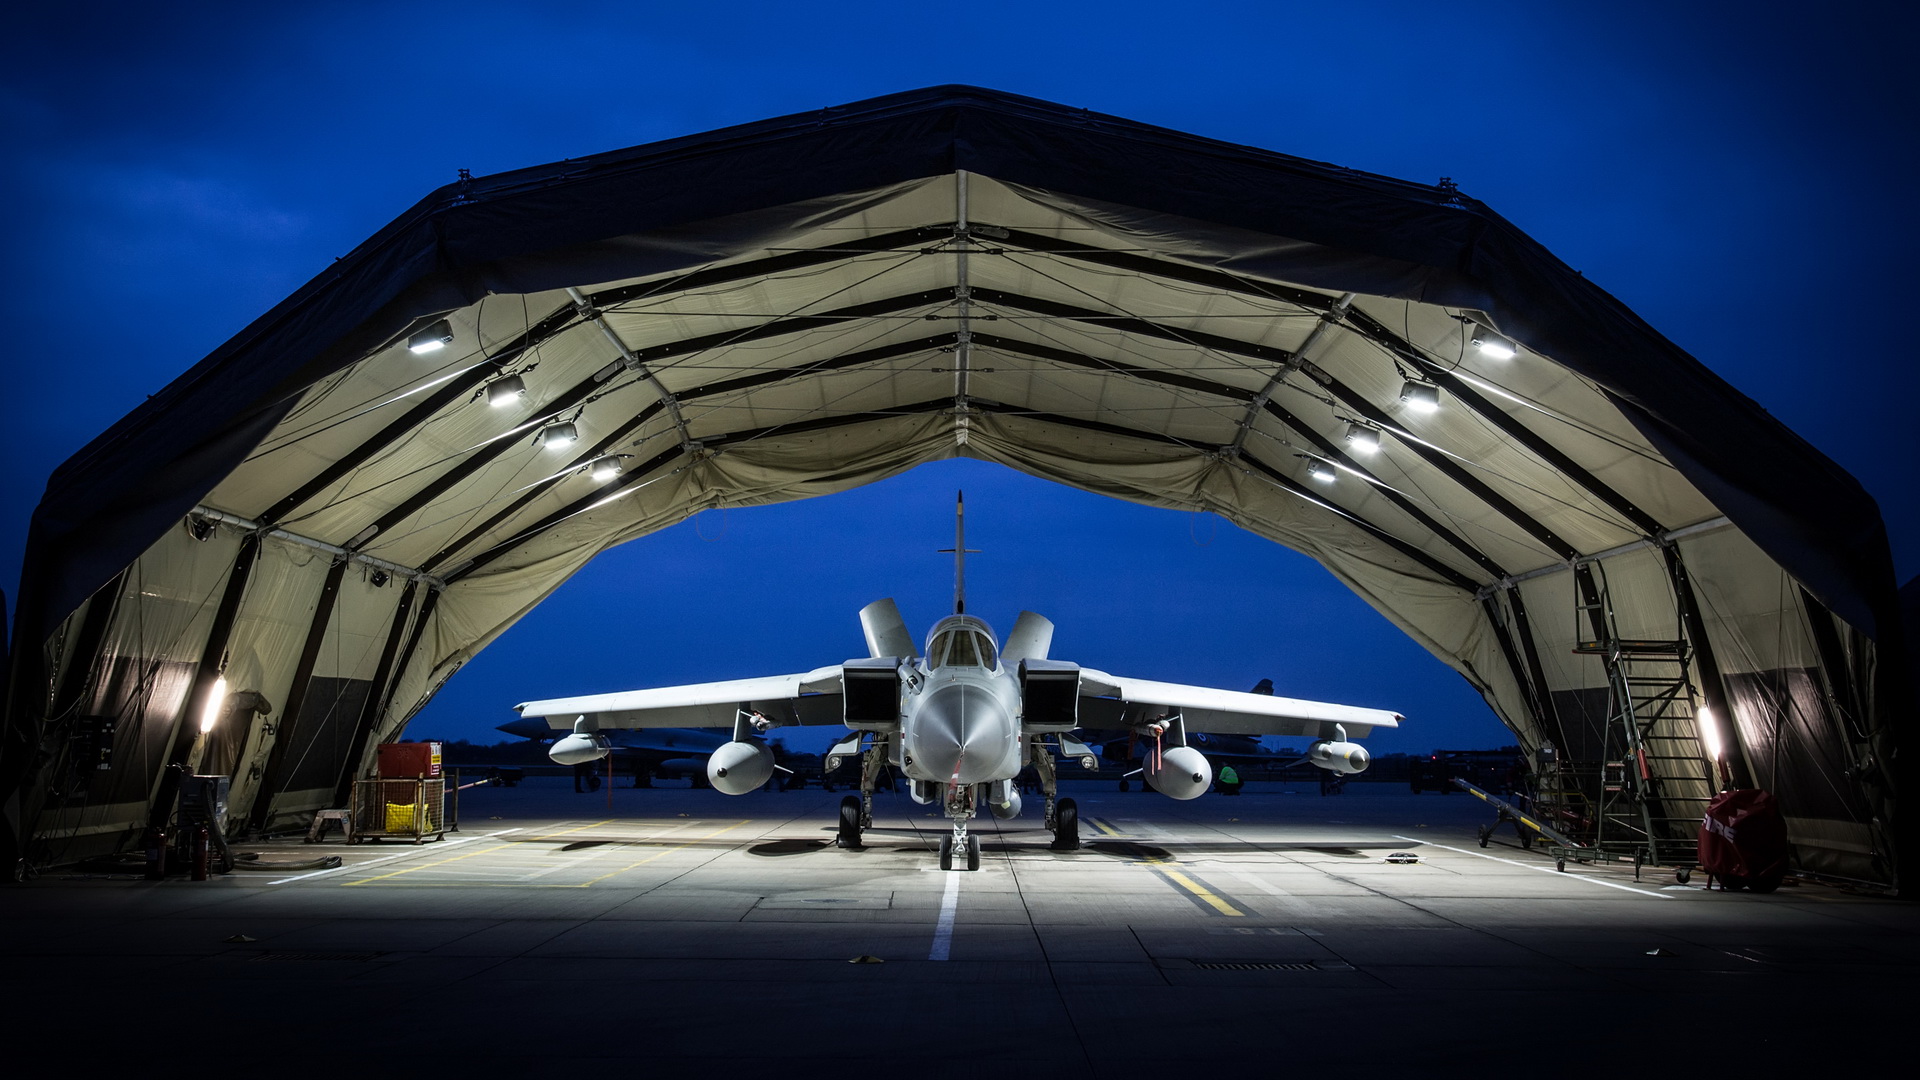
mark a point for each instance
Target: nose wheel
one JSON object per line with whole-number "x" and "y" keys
{"x": 960, "y": 843}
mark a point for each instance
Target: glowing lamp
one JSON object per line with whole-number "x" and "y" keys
{"x": 1492, "y": 345}
{"x": 504, "y": 392}
{"x": 216, "y": 701}
{"x": 1420, "y": 396}
{"x": 434, "y": 338}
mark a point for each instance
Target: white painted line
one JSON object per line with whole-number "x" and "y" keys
{"x": 1542, "y": 869}
{"x": 943, "y": 934}
{"x": 421, "y": 850}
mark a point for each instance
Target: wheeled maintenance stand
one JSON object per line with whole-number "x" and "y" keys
{"x": 1560, "y": 846}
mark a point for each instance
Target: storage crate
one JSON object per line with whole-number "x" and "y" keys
{"x": 399, "y": 810}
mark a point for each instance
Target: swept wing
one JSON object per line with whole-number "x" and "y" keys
{"x": 811, "y": 697}
{"x": 1227, "y": 712}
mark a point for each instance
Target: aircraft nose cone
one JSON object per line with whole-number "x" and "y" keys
{"x": 961, "y": 734}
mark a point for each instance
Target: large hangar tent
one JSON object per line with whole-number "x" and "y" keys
{"x": 321, "y": 520}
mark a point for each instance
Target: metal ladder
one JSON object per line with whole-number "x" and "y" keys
{"x": 1656, "y": 778}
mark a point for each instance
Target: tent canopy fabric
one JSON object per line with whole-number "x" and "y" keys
{"x": 807, "y": 304}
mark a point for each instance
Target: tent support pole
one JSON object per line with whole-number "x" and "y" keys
{"x": 297, "y": 695}
{"x": 1843, "y": 697}
{"x": 213, "y": 661}
{"x": 370, "y": 711}
{"x": 1712, "y": 687}
{"x": 1443, "y": 464}
{"x": 1529, "y": 691}
{"x": 83, "y": 656}
{"x": 1365, "y": 325}
{"x": 407, "y": 653}
{"x": 555, "y": 323}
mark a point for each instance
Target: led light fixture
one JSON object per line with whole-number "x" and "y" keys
{"x": 216, "y": 701}
{"x": 1363, "y": 439}
{"x": 504, "y": 392}
{"x": 555, "y": 436}
{"x": 1321, "y": 471}
{"x": 1710, "y": 734}
{"x": 432, "y": 339}
{"x": 1420, "y": 396}
{"x": 607, "y": 468}
{"x": 1493, "y": 345}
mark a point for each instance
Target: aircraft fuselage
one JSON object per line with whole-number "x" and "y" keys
{"x": 960, "y": 722}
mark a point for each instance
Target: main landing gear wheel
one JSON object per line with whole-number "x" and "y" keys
{"x": 849, "y": 836}
{"x": 1066, "y": 826}
{"x": 946, "y": 852}
{"x": 973, "y": 851}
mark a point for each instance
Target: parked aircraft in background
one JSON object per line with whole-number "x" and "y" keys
{"x": 960, "y": 721}
{"x": 642, "y": 753}
{"x": 1221, "y": 749}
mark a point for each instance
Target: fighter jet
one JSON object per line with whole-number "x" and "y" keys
{"x": 644, "y": 755}
{"x": 961, "y": 719}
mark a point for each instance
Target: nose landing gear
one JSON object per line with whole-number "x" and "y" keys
{"x": 960, "y": 806}
{"x": 968, "y": 845}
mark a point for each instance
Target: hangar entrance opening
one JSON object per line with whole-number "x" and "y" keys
{"x": 342, "y": 506}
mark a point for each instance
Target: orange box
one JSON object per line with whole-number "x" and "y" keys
{"x": 409, "y": 760}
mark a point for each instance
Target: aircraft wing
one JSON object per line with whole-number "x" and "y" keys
{"x": 811, "y": 697}
{"x": 1226, "y": 712}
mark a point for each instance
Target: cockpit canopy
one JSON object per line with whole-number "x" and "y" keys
{"x": 960, "y": 641}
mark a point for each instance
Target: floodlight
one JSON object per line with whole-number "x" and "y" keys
{"x": 1363, "y": 439}
{"x": 1710, "y": 734}
{"x": 432, "y": 339}
{"x": 1493, "y": 345}
{"x": 607, "y": 468}
{"x": 1321, "y": 471}
{"x": 1420, "y": 396}
{"x": 216, "y": 701}
{"x": 555, "y": 436}
{"x": 504, "y": 392}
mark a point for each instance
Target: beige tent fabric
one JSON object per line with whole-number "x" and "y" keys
{"x": 803, "y": 380}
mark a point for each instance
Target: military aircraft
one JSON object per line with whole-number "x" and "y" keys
{"x": 960, "y": 720}
{"x": 655, "y": 752}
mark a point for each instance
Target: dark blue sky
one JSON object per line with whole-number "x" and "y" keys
{"x": 1737, "y": 173}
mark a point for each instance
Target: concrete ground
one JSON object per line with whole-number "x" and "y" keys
{"x": 682, "y": 930}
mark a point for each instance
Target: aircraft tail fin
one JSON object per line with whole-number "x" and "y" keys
{"x": 1265, "y": 688}
{"x": 1030, "y": 638}
{"x": 960, "y": 551}
{"x": 886, "y": 631}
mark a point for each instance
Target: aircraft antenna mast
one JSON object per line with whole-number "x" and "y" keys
{"x": 960, "y": 552}
{"x": 963, "y": 311}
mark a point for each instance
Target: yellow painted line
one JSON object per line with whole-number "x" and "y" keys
{"x": 657, "y": 855}
{"x": 1164, "y": 868}
{"x": 468, "y": 855}
{"x": 1196, "y": 889}
{"x": 1104, "y": 827}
